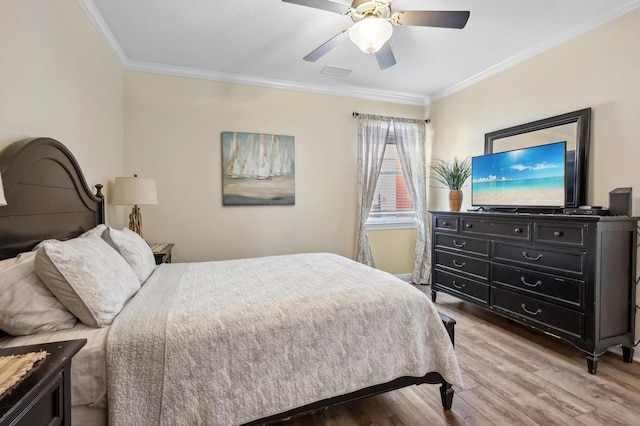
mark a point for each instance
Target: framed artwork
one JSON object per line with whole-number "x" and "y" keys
{"x": 258, "y": 169}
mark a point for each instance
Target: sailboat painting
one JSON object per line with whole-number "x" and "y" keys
{"x": 257, "y": 169}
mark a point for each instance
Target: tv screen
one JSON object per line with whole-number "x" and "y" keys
{"x": 527, "y": 177}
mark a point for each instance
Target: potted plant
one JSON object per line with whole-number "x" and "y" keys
{"x": 452, "y": 175}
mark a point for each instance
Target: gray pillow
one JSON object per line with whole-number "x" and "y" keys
{"x": 26, "y": 305}
{"x": 135, "y": 251}
{"x": 106, "y": 236}
{"x": 90, "y": 278}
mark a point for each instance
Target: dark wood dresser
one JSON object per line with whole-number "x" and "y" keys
{"x": 43, "y": 397}
{"x": 570, "y": 276}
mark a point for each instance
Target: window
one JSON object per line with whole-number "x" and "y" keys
{"x": 392, "y": 205}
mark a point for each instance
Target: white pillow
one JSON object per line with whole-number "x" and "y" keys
{"x": 135, "y": 251}
{"x": 90, "y": 278}
{"x": 97, "y": 230}
{"x": 26, "y": 305}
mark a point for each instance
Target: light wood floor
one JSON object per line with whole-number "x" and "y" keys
{"x": 512, "y": 376}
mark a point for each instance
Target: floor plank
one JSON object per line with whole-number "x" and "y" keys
{"x": 512, "y": 376}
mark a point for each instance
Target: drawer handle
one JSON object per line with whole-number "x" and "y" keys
{"x": 468, "y": 226}
{"x": 458, "y": 286}
{"x": 459, "y": 265}
{"x": 535, "y": 259}
{"x": 536, "y": 284}
{"x": 445, "y": 223}
{"x": 524, "y": 308}
{"x": 459, "y": 245}
{"x": 518, "y": 230}
{"x": 558, "y": 234}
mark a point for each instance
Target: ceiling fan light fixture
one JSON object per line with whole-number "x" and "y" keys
{"x": 370, "y": 34}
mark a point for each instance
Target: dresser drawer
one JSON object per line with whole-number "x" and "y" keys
{"x": 537, "y": 283}
{"x": 477, "y": 291}
{"x": 463, "y": 264}
{"x": 446, "y": 223}
{"x": 545, "y": 315}
{"x": 560, "y": 234}
{"x": 518, "y": 230}
{"x": 551, "y": 260}
{"x": 466, "y": 244}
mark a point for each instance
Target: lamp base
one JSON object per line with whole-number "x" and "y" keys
{"x": 135, "y": 220}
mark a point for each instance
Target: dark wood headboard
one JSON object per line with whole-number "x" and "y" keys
{"x": 47, "y": 196}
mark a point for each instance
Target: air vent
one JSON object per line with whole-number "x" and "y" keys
{"x": 335, "y": 71}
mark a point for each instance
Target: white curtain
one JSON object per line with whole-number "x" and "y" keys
{"x": 411, "y": 143}
{"x": 372, "y": 139}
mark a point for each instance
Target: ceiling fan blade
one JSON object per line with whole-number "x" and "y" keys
{"x": 329, "y": 5}
{"x": 327, "y": 46}
{"x": 385, "y": 57}
{"x": 432, "y": 18}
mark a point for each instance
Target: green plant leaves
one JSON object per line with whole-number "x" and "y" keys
{"x": 452, "y": 174}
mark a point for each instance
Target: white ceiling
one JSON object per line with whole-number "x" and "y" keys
{"x": 263, "y": 42}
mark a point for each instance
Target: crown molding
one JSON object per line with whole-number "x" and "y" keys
{"x": 103, "y": 29}
{"x": 90, "y": 9}
{"x": 539, "y": 48}
{"x": 349, "y": 91}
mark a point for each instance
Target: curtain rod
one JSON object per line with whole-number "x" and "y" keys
{"x": 357, "y": 114}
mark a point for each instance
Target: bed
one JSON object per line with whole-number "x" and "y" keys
{"x": 246, "y": 341}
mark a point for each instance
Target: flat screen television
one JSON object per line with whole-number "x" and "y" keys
{"x": 532, "y": 177}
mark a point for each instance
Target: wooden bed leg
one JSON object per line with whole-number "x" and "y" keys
{"x": 449, "y": 324}
{"x": 446, "y": 393}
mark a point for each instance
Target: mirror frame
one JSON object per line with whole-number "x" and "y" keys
{"x": 583, "y": 120}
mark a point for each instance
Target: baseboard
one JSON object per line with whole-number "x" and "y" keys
{"x": 404, "y": 277}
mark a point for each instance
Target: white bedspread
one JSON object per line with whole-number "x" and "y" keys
{"x": 222, "y": 343}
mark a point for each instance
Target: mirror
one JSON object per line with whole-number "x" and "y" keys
{"x": 572, "y": 127}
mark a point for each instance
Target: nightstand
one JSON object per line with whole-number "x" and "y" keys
{"x": 162, "y": 252}
{"x": 43, "y": 396}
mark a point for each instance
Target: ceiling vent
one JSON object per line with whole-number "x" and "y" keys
{"x": 335, "y": 71}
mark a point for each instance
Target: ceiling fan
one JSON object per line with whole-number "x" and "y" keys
{"x": 373, "y": 25}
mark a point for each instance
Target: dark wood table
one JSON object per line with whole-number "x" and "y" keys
{"x": 162, "y": 252}
{"x": 43, "y": 396}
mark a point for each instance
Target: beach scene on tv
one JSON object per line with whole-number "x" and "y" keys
{"x": 530, "y": 177}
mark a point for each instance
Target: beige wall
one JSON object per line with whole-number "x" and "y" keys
{"x": 173, "y": 128}
{"x": 598, "y": 69}
{"x": 57, "y": 79}
{"x": 393, "y": 250}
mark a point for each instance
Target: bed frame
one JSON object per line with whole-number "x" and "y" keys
{"x": 48, "y": 197}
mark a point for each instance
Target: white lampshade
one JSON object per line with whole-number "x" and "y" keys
{"x": 370, "y": 34}
{"x": 3, "y": 200}
{"x": 134, "y": 191}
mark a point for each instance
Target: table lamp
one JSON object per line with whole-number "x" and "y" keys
{"x": 135, "y": 191}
